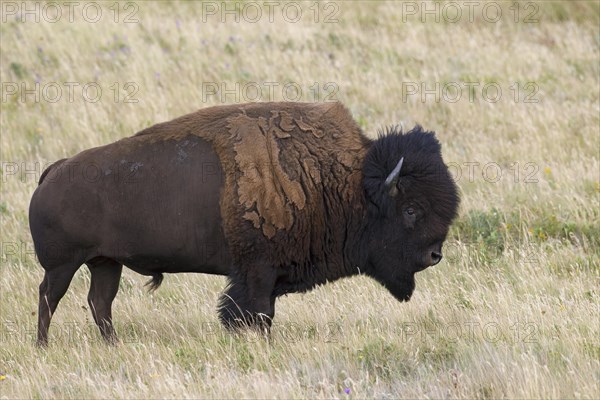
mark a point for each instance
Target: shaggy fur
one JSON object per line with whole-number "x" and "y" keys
{"x": 422, "y": 163}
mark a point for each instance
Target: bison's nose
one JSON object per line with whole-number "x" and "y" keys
{"x": 436, "y": 257}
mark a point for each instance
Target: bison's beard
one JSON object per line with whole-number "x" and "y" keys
{"x": 401, "y": 288}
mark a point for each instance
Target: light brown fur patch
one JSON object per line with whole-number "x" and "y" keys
{"x": 263, "y": 184}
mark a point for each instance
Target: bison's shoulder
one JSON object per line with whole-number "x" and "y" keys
{"x": 283, "y": 162}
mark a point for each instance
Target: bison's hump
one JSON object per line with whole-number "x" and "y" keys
{"x": 278, "y": 158}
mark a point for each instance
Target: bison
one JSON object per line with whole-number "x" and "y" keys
{"x": 278, "y": 197}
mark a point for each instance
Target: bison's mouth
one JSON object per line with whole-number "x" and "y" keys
{"x": 421, "y": 267}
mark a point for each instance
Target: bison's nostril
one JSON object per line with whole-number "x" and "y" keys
{"x": 435, "y": 257}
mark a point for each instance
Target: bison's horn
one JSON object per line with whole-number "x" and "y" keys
{"x": 392, "y": 180}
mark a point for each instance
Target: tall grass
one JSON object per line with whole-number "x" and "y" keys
{"x": 512, "y": 311}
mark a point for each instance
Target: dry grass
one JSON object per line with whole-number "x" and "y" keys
{"x": 513, "y": 311}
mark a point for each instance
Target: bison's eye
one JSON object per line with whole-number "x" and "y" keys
{"x": 411, "y": 214}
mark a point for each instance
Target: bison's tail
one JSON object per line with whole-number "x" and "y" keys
{"x": 155, "y": 282}
{"x": 56, "y": 164}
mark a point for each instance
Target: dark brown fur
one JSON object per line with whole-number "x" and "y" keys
{"x": 295, "y": 197}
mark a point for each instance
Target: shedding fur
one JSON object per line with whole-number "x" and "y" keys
{"x": 263, "y": 185}
{"x": 279, "y": 155}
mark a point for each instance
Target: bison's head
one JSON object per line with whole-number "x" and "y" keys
{"x": 412, "y": 200}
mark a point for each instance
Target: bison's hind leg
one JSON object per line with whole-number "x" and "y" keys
{"x": 248, "y": 301}
{"x": 106, "y": 274}
{"x": 52, "y": 289}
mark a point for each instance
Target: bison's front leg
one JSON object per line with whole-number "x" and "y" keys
{"x": 248, "y": 300}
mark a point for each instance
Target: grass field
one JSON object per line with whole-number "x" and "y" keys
{"x": 511, "y": 312}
